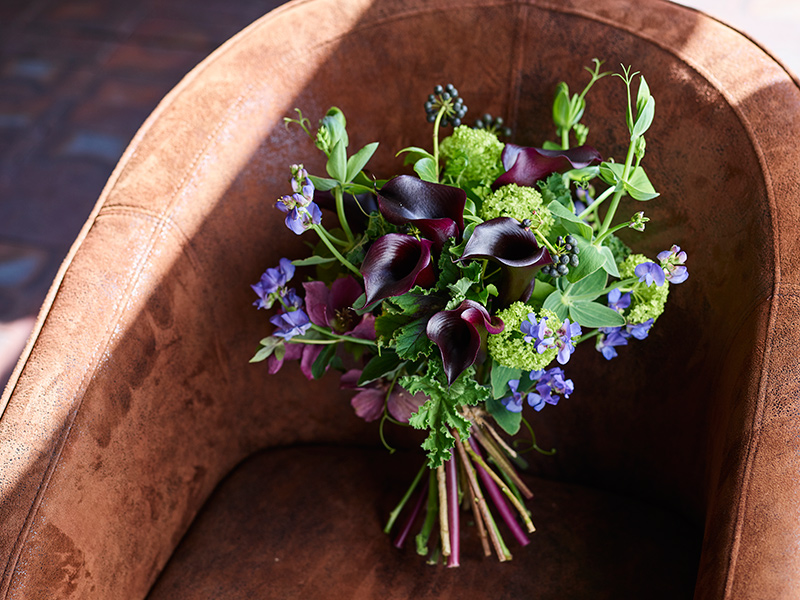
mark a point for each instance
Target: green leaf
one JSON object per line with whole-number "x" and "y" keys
{"x": 426, "y": 169}
{"x": 645, "y": 119}
{"x": 323, "y": 184}
{"x": 509, "y": 421}
{"x": 379, "y": 366}
{"x": 592, "y": 314}
{"x": 639, "y": 186}
{"x": 439, "y": 414}
{"x": 322, "y": 361}
{"x": 357, "y": 162}
{"x": 542, "y": 290}
{"x": 548, "y": 145}
{"x": 412, "y": 341}
{"x": 555, "y": 302}
{"x": 611, "y": 172}
{"x": 501, "y": 375}
{"x": 554, "y": 190}
{"x": 267, "y": 347}
{"x": 389, "y": 323}
{"x": 591, "y": 259}
{"x": 610, "y": 265}
{"x": 561, "y": 107}
{"x": 313, "y": 260}
{"x": 337, "y": 163}
{"x": 590, "y": 287}
{"x": 642, "y": 96}
{"x": 414, "y": 154}
{"x": 570, "y": 221}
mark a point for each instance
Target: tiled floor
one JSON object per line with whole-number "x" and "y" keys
{"x": 78, "y": 77}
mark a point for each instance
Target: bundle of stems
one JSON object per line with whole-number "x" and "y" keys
{"x": 479, "y": 467}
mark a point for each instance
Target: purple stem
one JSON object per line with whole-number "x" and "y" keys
{"x": 496, "y": 495}
{"x": 452, "y": 509}
{"x": 401, "y": 538}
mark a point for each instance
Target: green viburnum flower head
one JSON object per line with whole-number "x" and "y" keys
{"x": 510, "y": 349}
{"x": 647, "y": 302}
{"x": 472, "y": 155}
{"x": 520, "y": 202}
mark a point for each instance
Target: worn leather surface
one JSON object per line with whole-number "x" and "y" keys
{"x": 302, "y": 522}
{"x": 135, "y": 397}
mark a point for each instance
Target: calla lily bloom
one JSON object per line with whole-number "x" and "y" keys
{"x": 333, "y": 307}
{"x": 506, "y": 241}
{"x": 461, "y": 335}
{"x": 436, "y": 210}
{"x": 526, "y": 166}
{"x": 394, "y": 264}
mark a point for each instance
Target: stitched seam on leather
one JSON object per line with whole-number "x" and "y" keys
{"x": 118, "y": 312}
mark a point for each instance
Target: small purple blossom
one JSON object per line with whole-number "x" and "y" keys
{"x": 290, "y": 324}
{"x": 292, "y": 300}
{"x": 300, "y": 219}
{"x": 640, "y": 330}
{"x": 550, "y": 384}
{"x": 649, "y": 273}
{"x": 540, "y": 334}
{"x": 513, "y": 403}
{"x": 273, "y": 280}
{"x": 609, "y": 338}
{"x": 672, "y": 261}
{"x": 619, "y": 301}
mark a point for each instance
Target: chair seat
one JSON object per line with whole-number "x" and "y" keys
{"x": 305, "y": 522}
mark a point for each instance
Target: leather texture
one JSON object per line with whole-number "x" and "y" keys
{"x": 135, "y": 398}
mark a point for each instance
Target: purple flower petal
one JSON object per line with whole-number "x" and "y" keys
{"x": 506, "y": 241}
{"x": 460, "y": 335}
{"x": 394, "y": 264}
{"x": 436, "y": 210}
{"x": 649, "y": 273}
{"x": 526, "y": 166}
{"x": 368, "y": 404}
{"x": 402, "y": 405}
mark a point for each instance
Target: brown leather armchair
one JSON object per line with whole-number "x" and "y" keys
{"x": 141, "y": 455}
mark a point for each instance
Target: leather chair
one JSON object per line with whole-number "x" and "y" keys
{"x": 142, "y": 456}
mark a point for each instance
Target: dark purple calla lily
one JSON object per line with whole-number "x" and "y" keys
{"x": 461, "y": 335}
{"x": 394, "y": 264}
{"x": 436, "y": 210}
{"x": 507, "y": 242}
{"x": 333, "y": 307}
{"x": 526, "y": 166}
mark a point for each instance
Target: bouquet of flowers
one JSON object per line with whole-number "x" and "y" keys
{"x": 444, "y": 298}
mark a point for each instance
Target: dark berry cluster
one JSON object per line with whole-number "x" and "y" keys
{"x": 489, "y": 123}
{"x": 447, "y": 97}
{"x": 566, "y": 259}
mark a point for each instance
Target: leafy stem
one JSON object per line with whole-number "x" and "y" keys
{"x": 323, "y": 235}
{"x": 339, "y": 197}
{"x": 619, "y": 191}
{"x": 596, "y": 204}
{"x": 436, "y": 124}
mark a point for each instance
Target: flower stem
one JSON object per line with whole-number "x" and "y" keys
{"x": 483, "y": 468}
{"x": 494, "y": 535}
{"x": 502, "y": 462}
{"x": 339, "y": 197}
{"x": 436, "y": 125}
{"x": 452, "y": 510}
{"x": 340, "y": 337}
{"x": 323, "y": 236}
{"x": 444, "y": 522}
{"x": 401, "y": 538}
{"x": 596, "y": 204}
{"x": 619, "y": 191}
{"x": 430, "y": 517}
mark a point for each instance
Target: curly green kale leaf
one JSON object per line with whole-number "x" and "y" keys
{"x": 440, "y": 412}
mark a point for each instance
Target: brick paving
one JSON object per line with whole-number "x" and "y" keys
{"x": 77, "y": 79}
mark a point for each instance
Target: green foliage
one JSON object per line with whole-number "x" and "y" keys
{"x": 520, "y": 203}
{"x": 440, "y": 413}
{"x": 472, "y": 156}
{"x": 554, "y": 190}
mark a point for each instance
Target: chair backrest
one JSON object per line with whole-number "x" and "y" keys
{"x": 136, "y": 397}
